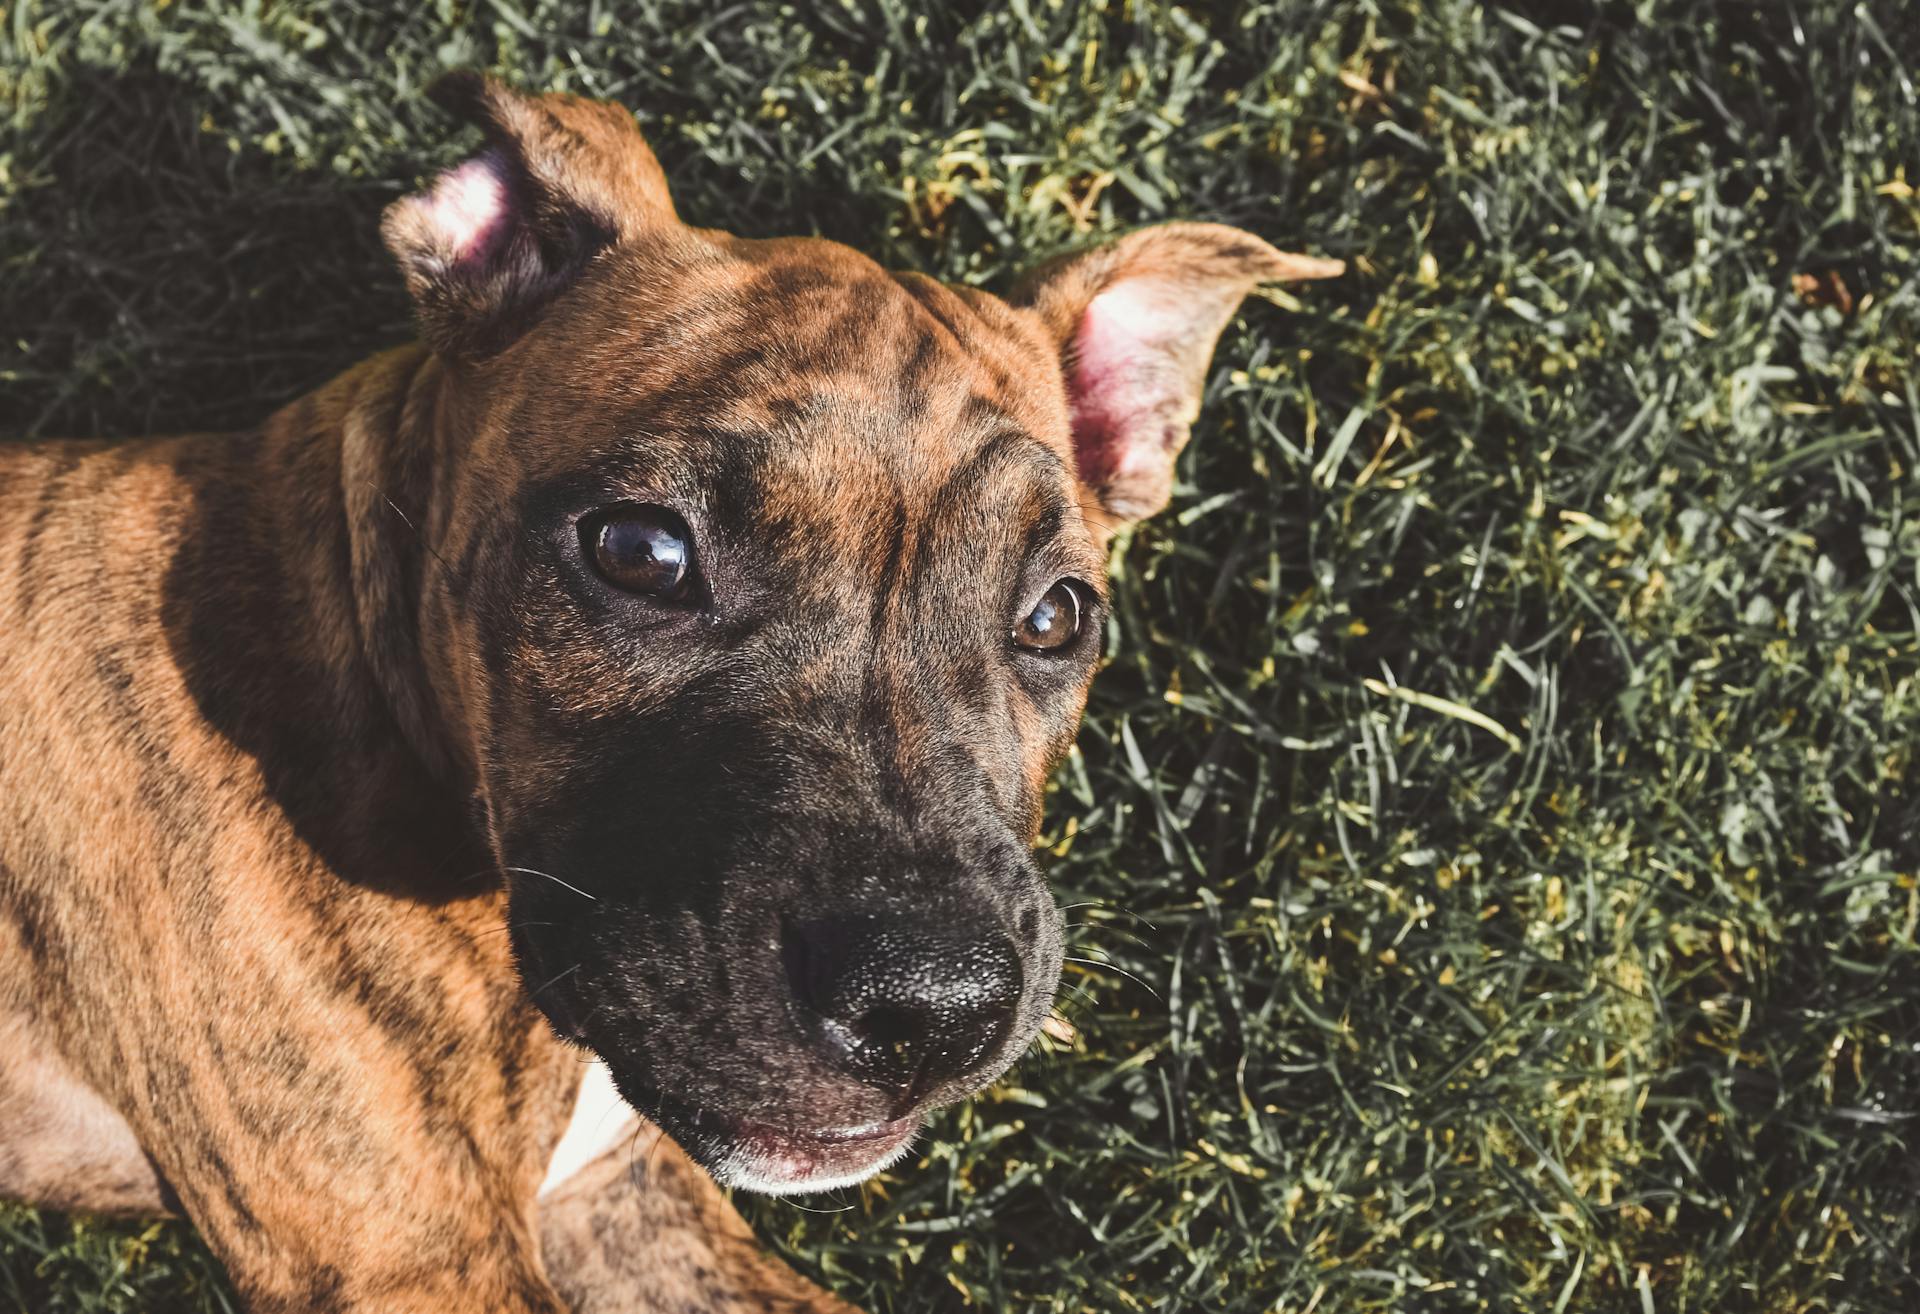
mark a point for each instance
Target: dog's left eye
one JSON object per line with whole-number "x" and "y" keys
{"x": 642, "y": 549}
{"x": 1055, "y": 620}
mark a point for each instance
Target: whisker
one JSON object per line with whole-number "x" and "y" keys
{"x": 535, "y": 871}
{"x": 509, "y": 926}
{"x": 1104, "y": 906}
{"x": 1080, "y": 994}
{"x": 633, "y": 1150}
{"x": 1118, "y": 971}
{"x": 1106, "y": 955}
{"x": 569, "y": 972}
{"x": 1111, "y": 930}
{"x": 407, "y": 520}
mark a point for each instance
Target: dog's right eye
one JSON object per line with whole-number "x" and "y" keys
{"x": 641, "y": 549}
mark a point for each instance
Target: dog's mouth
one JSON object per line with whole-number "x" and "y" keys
{"x": 739, "y": 1150}
{"x": 774, "y": 1159}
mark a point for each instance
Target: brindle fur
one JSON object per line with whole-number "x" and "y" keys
{"x": 642, "y": 1228}
{"x": 277, "y": 708}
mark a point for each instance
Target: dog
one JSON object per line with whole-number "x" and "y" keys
{"x": 660, "y": 663}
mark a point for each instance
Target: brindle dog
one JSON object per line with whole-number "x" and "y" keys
{"x": 664, "y": 660}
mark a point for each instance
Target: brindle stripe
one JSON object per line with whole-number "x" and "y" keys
{"x": 52, "y": 494}
{"x": 923, "y": 361}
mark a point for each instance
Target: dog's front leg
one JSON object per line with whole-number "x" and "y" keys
{"x": 641, "y": 1229}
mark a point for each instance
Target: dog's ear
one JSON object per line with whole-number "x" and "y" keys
{"x": 1136, "y": 321}
{"x": 489, "y": 242}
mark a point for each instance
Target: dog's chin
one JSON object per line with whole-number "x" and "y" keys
{"x": 771, "y": 1159}
{"x": 781, "y": 1161}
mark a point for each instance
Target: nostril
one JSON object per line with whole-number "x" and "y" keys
{"x": 816, "y": 954}
{"x": 903, "y": 1006}
{"x": 887, "y": 1028}
{"x": 798, "y": 958}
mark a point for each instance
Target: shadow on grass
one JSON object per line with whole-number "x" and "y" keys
{"x": 161, "y": 278}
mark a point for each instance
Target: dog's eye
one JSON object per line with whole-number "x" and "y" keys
{"x": 642, "y": 549}
{"x": 1054, "y": 621}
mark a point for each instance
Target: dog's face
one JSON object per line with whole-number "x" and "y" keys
{"x": 766, "y": 592}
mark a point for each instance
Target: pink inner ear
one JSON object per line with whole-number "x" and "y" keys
{"x": 467, "y": 206}
{"x": 1119, "y": 387}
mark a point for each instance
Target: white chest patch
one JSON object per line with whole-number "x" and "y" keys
{"x": 600, "y": 1119}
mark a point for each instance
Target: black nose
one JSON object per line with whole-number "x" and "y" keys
{"x": 905, "y": 1007}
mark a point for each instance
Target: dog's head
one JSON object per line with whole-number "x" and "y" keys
{"x": 765, "y": 589}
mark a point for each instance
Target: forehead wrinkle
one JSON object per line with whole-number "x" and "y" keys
{"x": 974, "y": 345}
{"x": 877, "y": 525}
{"x": 837, "y": 506}
{"x": 1011, "y": 358}
{"x": 910, "y": 377}
{"x": 1017, "y": 485}
{"x": 841, "y": 430}
{"x": 1008, "y": 460}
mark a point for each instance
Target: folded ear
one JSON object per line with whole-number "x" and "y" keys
{"x": 1136, "y": 321}
{"x": 489, "y": 242}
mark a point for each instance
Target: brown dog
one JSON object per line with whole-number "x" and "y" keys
{"x": 666, "y": 659}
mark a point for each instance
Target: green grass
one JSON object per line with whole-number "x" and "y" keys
{"x": 1502, "y": 800}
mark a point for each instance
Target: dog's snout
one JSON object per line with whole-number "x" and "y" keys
{"x": 905, "y": 1008}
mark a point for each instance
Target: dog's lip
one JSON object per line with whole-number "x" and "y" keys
{"x": 780, "y": 1158}
{"x": 893, "y": 1129}
{"x": 705, "y": 1121}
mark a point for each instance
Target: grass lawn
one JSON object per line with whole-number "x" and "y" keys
{"x": 1500, "y": 814}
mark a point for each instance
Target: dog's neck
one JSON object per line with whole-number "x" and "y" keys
{"x": 298, "y": 608}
